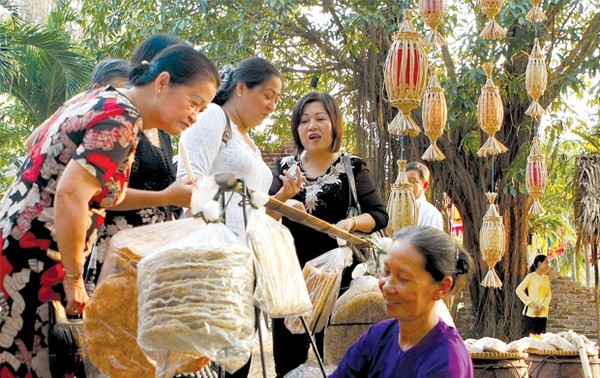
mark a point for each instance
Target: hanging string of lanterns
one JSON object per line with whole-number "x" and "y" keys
{"x": 405, "y": 76}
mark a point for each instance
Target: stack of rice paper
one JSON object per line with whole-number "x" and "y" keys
{"x": 195, "y": 297}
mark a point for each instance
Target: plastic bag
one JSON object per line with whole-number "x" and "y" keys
{"x": 111, "y": 316}
{"x": 195, "y": 297}
{"x": 280, "y": 289}
{"x": 309, "y": 370}
{"x": 323, "y": 276}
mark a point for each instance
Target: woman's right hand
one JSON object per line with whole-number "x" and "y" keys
{"x": 290, "y": 184}
{"x": 179, "y": 193}
{"x": 76, "y": 295}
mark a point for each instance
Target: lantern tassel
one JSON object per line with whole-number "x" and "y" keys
{"x": 403, "y": 124}
{"x": 433, "y": 153}
{"x": 536, "y": 14}
{"x": 535, "y": 110}
{"x": 536, "y": 208}
{"x": 491, "y": 279}
{"x": 434, "y": 38}
{"x": 493, "y": 30}
{"x": 492, "y": 147}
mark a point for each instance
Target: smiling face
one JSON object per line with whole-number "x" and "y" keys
{"x": 179, "y": 105}
{"x": 542, "y": 267}
{"x": 257, "y": 103}
{"x": 315, "y": 128}
{"x": 408, "y": 290}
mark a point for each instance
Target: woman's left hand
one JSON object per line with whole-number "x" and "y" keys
{"x": 76, "y": 294}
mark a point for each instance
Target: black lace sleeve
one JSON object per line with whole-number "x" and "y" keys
{"x": 368, "y": 195}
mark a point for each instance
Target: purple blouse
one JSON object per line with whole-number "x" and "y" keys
{"x": 441, "y": 353}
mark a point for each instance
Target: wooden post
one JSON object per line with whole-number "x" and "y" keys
{"x": 596, "y": 287}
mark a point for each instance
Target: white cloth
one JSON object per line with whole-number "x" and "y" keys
{"x": 208, "y": 155}
{"x": 429, "y": 215}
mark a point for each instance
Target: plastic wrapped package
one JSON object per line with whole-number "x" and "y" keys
{"x": 195, "y": 297}
{"x": 280, "y": 288}
{"x": 355, "y": 312}
{"x": 110, "y": 317}
{"x": 323, "y": 276}
{"x": 558, "y": 342}
{"x": 527, "y": 343}
{"x": 309, "y": 370}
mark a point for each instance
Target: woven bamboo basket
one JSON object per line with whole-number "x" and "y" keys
{"x": 405, "y": 76}
{"x": 492, "y": 242}
{"x": 536, "y": 79}
{"x": 536, "y": 176}
{"x": 490, "y": 114}
{"x": 402, "y": 208}
{"x": 434, "y": 115}
{"x": 433, "y": 13}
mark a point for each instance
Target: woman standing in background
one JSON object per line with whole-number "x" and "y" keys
{"x": 537, "y": 298}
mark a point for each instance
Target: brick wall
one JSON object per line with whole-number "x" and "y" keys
{"x": 270, "y": 157}
{"x": 572, "y": 307}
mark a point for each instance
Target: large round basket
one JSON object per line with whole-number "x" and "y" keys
{"x": 500, "y": 365}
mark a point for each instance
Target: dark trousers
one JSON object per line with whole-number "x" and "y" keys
{"x": 533, "y": 325}
{"x": 291, "y": 350}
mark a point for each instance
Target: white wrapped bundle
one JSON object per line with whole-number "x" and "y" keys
{"x": 195, "y": 296}
{"x": 323, "y": 276}
{"x": 558, "y": 342}
{"x": 280, "y": 287}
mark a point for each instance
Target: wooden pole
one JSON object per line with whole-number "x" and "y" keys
{"x": 596, "y": 287}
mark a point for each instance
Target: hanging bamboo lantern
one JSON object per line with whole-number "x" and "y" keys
{"x": 405, "y": 75}
{"x": 536, "y": 79}
{"x": 536, "y": 13}
{"x": 536, "y": 176}
{"x": 492, "y": 29}
{"x": 490, "y": 114}
{"x": 492, "y": 242}
{"x": 435, "y": 115}
{"x": 433, "y": 13}
{"x": 402, "y": 208}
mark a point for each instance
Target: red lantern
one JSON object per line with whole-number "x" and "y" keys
{"x": 405, "y": 77}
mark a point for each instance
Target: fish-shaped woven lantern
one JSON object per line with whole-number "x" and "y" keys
{"x": 405, "y": 77}
{"x": 435, "y": 114}
{"x": 536, "y": 13}
{"x": 536, "y": 176}
{"x": 492, "y": 242}
{"x": 402, "y": 208}
{"x": 490, "y": 114}
{"x": 536, "y": 79}
{"x": 433, "y": 13}
{"x": 492, "y": 29}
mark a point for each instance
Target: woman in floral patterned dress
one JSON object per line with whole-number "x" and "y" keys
{"x": 79, "y": 165}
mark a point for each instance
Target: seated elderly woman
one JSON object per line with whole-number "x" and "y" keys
{"x": 420, "y": 268}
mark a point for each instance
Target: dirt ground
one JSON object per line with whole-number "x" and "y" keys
{"x": 256, "y": 370}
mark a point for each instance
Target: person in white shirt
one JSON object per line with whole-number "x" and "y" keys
{"x": 418, "y": 175}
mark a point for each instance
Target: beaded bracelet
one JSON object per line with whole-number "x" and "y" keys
{"x": 74, "y": 276}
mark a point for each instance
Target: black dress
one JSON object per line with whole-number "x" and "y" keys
{"x": 326, "y": 197}
{"x": 152, "y": 170}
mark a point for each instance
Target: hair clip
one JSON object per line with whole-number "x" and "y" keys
{"x": 145, "y": 63}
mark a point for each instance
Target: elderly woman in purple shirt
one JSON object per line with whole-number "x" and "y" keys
{"x": 420, "y": 268}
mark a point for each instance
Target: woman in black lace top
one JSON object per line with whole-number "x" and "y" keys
{"x": 317, "y": 128}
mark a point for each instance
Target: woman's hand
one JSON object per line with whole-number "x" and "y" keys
{"x": 76, "y": 294}
{"x": 537, "y": 309}
{"x": 347, "y": 224}
{"x": 178, "y": 193}
{"x": 291, "y": 184}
